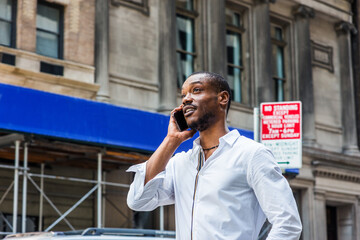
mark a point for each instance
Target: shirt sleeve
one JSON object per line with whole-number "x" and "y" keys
{"x": 157, "y": 192}
{"x": 275, "y": 196}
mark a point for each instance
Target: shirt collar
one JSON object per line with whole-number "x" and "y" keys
{"x": 228, "y": 138}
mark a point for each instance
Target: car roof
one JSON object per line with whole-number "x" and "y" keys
{"x": 97, "y": 233}
{"x": 80, "y": 237}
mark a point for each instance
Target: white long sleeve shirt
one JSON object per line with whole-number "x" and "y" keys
{"x": 238, "y": 186}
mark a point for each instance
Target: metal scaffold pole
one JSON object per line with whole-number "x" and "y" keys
{"x": 16, "y": 185}
{"x": 41, "y": 201}
{"x": 103, "y": 200}
{"x": 162, "y": 228}
{"x": 99, "y": 190}
{"x": 24, "y": 194}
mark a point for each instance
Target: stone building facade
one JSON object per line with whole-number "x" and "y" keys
{"x": 76, "y": 40}
{"x": 47, "y": 46}
{"x": 287, "y": 50}
{"x": 136, "y": 53}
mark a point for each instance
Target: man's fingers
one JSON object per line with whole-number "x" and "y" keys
{"x": 179, "y": 108}
{"x": 190, "y": 134}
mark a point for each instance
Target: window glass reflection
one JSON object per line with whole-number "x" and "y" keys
{"x": 185, "y": 47}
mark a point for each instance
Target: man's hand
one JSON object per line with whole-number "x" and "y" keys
{"x": 174, "y": 132}
{"x": 164, "y": 152}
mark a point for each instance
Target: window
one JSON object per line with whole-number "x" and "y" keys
{"x": 234, "y": 47}
{"x": 185, "y": 39}
{"x": 49, "y": 30}
{"x": 331, "y": 223}
{"x": 278, "y": 56}
{"x": 7, "y": 22}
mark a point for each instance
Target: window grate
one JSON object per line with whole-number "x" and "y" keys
{"x": 7, "y": 58}
{"x": 51, "y": 69}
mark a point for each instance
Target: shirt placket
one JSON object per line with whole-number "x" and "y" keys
{"x": 199, "y": 167}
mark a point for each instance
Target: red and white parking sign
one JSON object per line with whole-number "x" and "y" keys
{"x": 281, "y": 132}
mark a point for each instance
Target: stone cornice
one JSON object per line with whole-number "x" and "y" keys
{"x": 345, "y": 28}
{"x": 133, "y": 82}
{"x": 333, "y": 159}
{"x": 50, "y": 79}
{"x": 38, "y": 57}
{"x": 141, "y": 6}
{"x": 333, "y": 165}
{"x": 303, "y": 11}
{"x": 335, "y": 174}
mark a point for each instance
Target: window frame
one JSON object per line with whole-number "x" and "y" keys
{"x": 247, "y": 51}
{"x": 60, "y": 35}
{"x": 187, "y": 14}
{"x": 237, "y": 30}
{"x": 279, "y": 44}
{"x": 12, "y": 25}
{"x": 288, "y": 51}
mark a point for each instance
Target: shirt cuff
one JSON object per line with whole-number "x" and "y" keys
{"x": 139, "y": 179}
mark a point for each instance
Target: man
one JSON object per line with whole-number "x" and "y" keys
{"x": 226, "y": 185}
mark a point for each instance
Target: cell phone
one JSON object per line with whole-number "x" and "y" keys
{"x": 180, "y": 120}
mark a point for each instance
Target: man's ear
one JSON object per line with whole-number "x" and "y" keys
{"x": 223, "y": 98}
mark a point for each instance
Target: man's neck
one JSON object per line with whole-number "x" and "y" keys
{"x": 210, "y": 137}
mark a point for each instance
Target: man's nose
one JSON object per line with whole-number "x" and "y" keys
{"x": 187, "y": 99}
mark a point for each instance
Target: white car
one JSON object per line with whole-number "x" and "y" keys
{"x": 98, "y": 234}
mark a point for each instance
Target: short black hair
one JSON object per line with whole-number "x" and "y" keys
{"x": 218, "y": 82}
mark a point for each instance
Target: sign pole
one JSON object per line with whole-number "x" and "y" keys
{"x": 256, "y": 124}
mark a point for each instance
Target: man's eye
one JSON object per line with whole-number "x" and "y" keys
{"x": 196, "y": 90}
{"x": 182, "y": 95}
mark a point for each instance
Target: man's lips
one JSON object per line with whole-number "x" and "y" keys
{"x": 188, "y": 110}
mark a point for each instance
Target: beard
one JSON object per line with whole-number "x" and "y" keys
{"x": 204, "y": 122}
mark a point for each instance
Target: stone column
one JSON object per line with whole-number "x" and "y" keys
{"x": 346, "y": 222}
{"x": 319, "y": 218}
{"x": 265, "y": 85}
{"x": 307, "y": 211}
{"x": 343, "y": 30}
{"x": 355, "y": 45}
{"x": 167, "y": 56}
{"x": 102, "y": 50}
{"x": 217, "y": 37}
{"x": 304, "y": 74}
{"x": 357, "y": 217}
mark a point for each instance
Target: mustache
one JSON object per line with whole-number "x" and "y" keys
{"x": 189, "y": 104}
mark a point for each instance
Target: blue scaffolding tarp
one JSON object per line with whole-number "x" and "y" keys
{"x": 41, "y": 113}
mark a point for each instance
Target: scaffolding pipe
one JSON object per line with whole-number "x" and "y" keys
{"x": 71, "y": 209}
{"x": 103, "y": 200}
{"x": 78, "y": 180}
{"x": 16, "y": 185}
{"x": 6, "y": 221}
{"x": 24, "y": 193}
{"x": 41, "y": 207}
{"x": 99, "y": 190}
{"x": 6, "y": 192}
{"x": 10, "y": 167}
{"x": 50, "y": 202}
{"x": 162, "y": 218}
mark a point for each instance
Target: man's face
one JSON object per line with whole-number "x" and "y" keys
{"x": 200, "y": 102}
